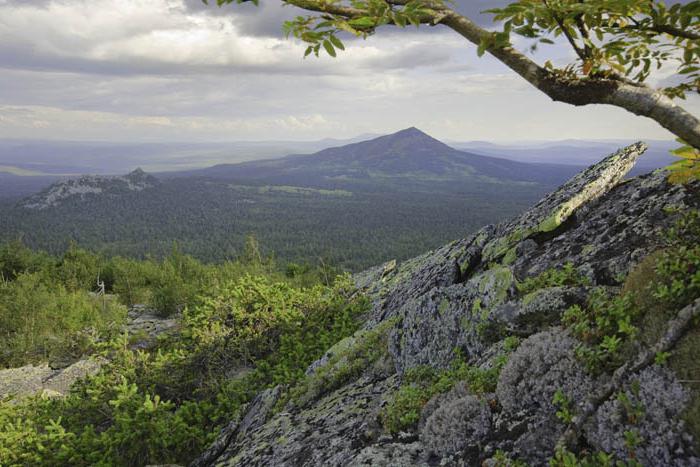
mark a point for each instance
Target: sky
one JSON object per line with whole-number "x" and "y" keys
{"x": 177, "y": 70}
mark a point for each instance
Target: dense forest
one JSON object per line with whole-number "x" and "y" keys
{"x": 210, "y": 220}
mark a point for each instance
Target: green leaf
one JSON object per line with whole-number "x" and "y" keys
{"x": 336, "y": 42}
{"x": 686, "y": 152}
{"x": 363, "y": 22}
{"x": 329, "y": 48}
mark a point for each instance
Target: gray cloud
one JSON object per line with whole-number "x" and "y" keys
{"x": 168, "y": 70}
{"x": 264, "y": 20}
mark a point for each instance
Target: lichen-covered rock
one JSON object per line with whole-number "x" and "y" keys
{"x": 456, "y": 422}
{"x": 537, "y": 310}
{"x": 331, "y": 432}
{"x": 391, "y": 455}
{"x": 610, "y": 235}
{"x": 556, "y": 208}
{"x": 454, "y": 313}
{"x": 542, "y": 365}
{"x": 255, "y": 415}
{"x": 30, "y": 380}
{"x": 644, "y": 421}
{"x": 411, "y": 279}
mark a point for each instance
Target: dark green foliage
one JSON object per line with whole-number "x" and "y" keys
{"x": 16, "y": 258}
{"x": 565, "y": 411}
{"x": 604, "y": 326}
{"x": 421, "y": 383}
{"x": 46, "y": 315}
{"x": 555, "y": 277}
{"x": 352, "y": 223}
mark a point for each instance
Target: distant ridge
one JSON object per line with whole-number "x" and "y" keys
{"x": 407, "y": 153}
{"x": 87, "y": 185}
{"x": 357, "y": 204}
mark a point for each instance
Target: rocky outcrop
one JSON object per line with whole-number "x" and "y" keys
{"x": 29, "y": 380}
{"x": 143, "y": 326}
{"x": 87, "y": 185}
{"x": 465, "y": 299}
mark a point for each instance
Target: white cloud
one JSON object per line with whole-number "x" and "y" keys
{"x": 168, "y": 69}
{"x": 23, "y": 121}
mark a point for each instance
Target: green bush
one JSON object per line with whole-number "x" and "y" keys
{"x": 423, "y": 382}
{"x": 166, "y": 406}
{"x": 609, "y": 326}
{"x": 40, "y": 322}
{"x": 555, "y": 277}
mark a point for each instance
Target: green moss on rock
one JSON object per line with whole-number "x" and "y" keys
{"x": 347, "y": 361}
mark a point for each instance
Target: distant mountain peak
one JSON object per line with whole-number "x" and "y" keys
{"x": 407, "y": 141}
{"x": 412, "y": 133}
{"x": 86, "y": 185}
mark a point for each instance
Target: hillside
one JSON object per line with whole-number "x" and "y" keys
{"x": 574, "y": 152}
{"x": 548, "y": 338}
{"x": 395, "y": 196}
{"x": 89, "y": 185}
{"x": 406, "y": 157}
{"x": 567, "y": 336}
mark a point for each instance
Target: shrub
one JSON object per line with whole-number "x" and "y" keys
{"x": 40, "y": 322}
{"x": 421, "y": 383}
{"x": 567, "y": 275}
{"x": 165, "y": 406}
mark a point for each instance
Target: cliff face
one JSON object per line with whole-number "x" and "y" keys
{"x": 474, "y": 353}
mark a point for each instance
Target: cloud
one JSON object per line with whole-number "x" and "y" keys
{"x": 23, "y": 121}
{"x": 168, "y": 37}
{"x": 176, "y": 69}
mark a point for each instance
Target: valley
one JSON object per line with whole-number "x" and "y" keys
{"x": 353, "y": 206}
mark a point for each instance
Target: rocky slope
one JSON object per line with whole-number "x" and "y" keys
{"x": 526, "y": 389}
{"x": 86, "y": 185}
{"x": 54, "y": 379}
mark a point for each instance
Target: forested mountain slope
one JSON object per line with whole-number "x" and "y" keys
{"x": 409, "y": 155}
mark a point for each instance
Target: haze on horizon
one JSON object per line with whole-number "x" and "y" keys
{"x": 176, "y": 70}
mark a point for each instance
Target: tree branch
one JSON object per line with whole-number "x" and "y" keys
{"x": 580, "y": 52}
{"x": 666, "y": 29}
{"x": 636, "y": 98}
{"x": 327, "y": 7}
{"x": 585, "y": 33}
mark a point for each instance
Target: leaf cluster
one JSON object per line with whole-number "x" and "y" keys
{"x": 614, "y": 38}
